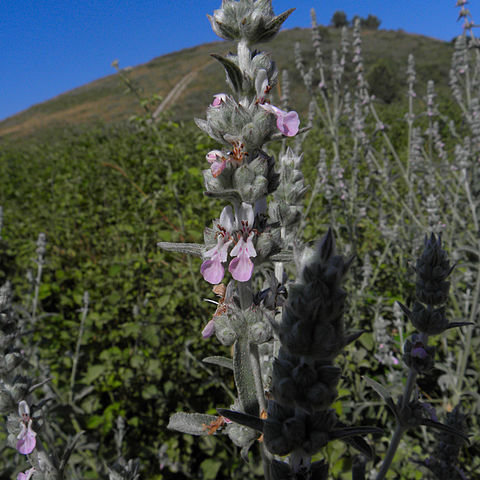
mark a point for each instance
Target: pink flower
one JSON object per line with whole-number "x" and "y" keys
{"x": 217, "y": 161}
{"x": 287, "y": 122}
{"x": 241, "y": 267}
{"x": 209, "y": 329}
{"x": 212, "y": 269}
{"x": 26, "y": 438}
{"x": 27, "y": 475}
{"x": 218, "y": 99}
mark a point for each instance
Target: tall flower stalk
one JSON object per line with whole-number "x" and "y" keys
{"x": 255, "y": 234}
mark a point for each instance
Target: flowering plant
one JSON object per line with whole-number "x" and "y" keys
{"x": 284, "y": 346}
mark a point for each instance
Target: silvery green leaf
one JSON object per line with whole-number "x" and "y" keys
{"x": 458, "y": 324}
{"x": 220, "y": 361}
{"x": 273, "y": 26}
{"x": 191, "y": 423}
{"x": 68, "y": 451}
{"x": 359, "y": 443}
{"x": 234, "y": 74}
{"x": 445, "y": 428}
{"x": 190, "y": 248}
{"x": 283, "y": 256}
{"x": 384, "y": 393}
{"x": 244, "y": 419}
{"x": 230, "y": 195}
{"x": 244, "y": 377}
{"x": 352, "y": 336}
{"x": 345, "y": 432}
{"x": 241, "y": 435}
{"x": 203, "y": 125}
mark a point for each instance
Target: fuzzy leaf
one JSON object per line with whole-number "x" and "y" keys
{"x": 273, "y": 26}
{"x": 344, "y": 432}
{"x": 383, "y": 392}
{"x": 361, "y": 445}
{"x": 203, "y": 125}
{"x": 220, "y": 361}
{"x": 352, "y": 336}
{"x": 230, "y": 195}
{"x": 243, "y": 374}
{"x": 192, "y": 423}
{"x": 458, "y": 324}
{"x": 234, "y": 73}
{"x": 244, "y": 419}
{"x": 68, "y": 451}
{"x": 190, "y": 248}
{"x": 283, "y": 256}
{"x": 444, "y": 428}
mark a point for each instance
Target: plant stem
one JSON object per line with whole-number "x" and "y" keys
{"x": 77, "y": 347}
{"x": 400, "y": 429}
{"x": 412, "y": 376}
{"x": 392, "y": 448}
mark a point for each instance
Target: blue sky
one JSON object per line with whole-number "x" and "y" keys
{"x": 51, "y": 46}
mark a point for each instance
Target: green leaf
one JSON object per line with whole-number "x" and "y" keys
{"x": 192, "y": 423}
{"x": 95, "y": 421}
{"x": 275, "y": 23}
{"x": 383, "y": 392}
{"x": 367, "y": 341}
{"x": 210, "y": 468}
{"x": 114, "y": 270}
{"x": 234, "y": 73}
{"x": 243, "y": 374}
{"x": 93, "y": 372}
{"x": 190, "y": 248}
{"x": 244, "y": 419}
{"x": 220, "y": 361}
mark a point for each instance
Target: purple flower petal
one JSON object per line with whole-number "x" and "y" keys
{"x": 209, "y": 329}
{"x": 226, "y": 219}
{"x": 419, "y": 352}
{"x": 249, "y": 248}
{"x": 288, "y": 123}
{"x": 26, "y": 439}
{"x": 27, "y": 475}
{"x": 218, "y": 99}
{"x": 218, "y": 167}
{"x": 212, "y": 270}
{"x": 218, "y": 162}
{"x": 241, "y": 267}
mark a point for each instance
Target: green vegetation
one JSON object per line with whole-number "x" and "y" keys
{"x": 105, "y": 194}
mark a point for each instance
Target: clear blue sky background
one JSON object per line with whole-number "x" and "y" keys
{"x": 50, "y": 46}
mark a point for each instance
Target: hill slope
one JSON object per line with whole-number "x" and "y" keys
{"x": 106, "y": 100}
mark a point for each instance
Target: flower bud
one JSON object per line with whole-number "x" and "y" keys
{"x": 223, "y": 331}
{"x": 417, "y": 355}
{"x": 309, "y": 386}
{"x": 241, "y": 436}
{"x": 431, "y": 322}
{"x": 283, "y": 431}
{"x": 246, "y": 20}
{"x": 432, "y": 270}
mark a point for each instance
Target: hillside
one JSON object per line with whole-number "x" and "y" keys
{"x": 106, "y": 99}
